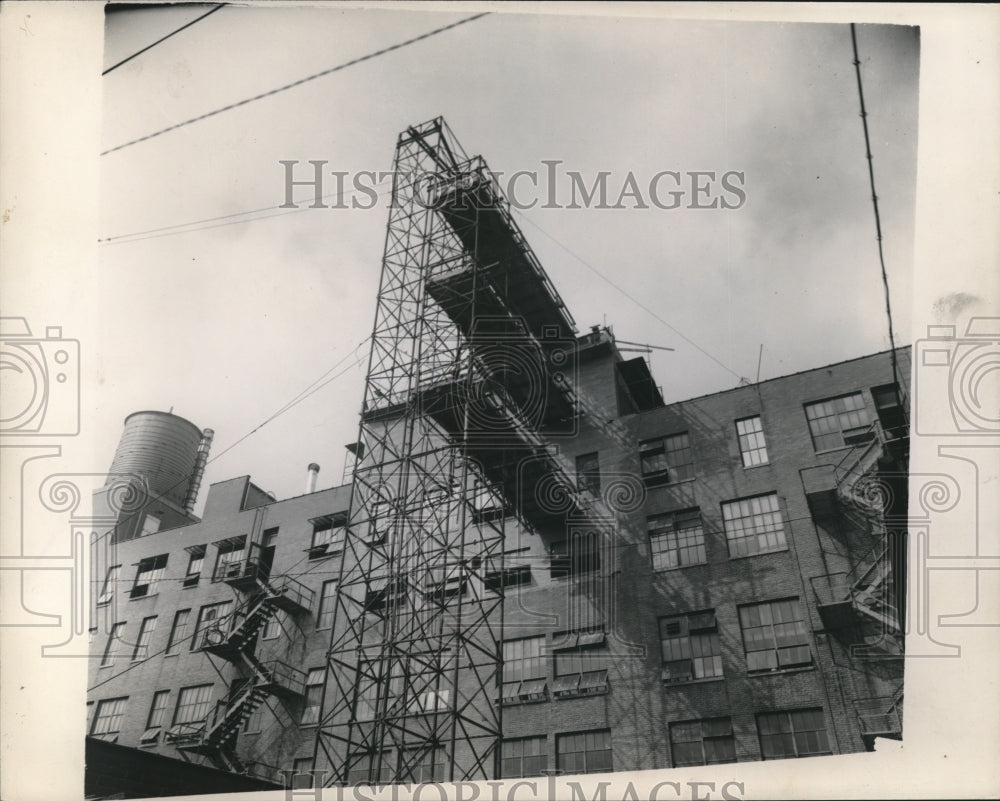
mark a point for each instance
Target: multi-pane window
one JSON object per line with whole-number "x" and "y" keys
{"x": 588, "y": 473}
{"x": 363, "y": 766}
{"x": 193, "y": 704}
{"x": 196, "y": 561}
{"x": 831, "y": 420}
{"x": 229, "y": 560}
{"x": 179, "y": 630}
{"x": 110, "y": 584}
{"x": 148, "y": 575}
{"x": 676, "y": 539}
{"x": 273, "y": 627}
{"x": 256, "y": 720}
{"x": 702, "y": 742}
{"x": 798, "y": 733}
{"x": 429, "y": 767}
{"x": 775, "y": 635}
{"x": 328, "y": 536}
{"x": 314, "y": 696}
{"x": 327, "y": 604}
{"x": 158, "y": 709}
{"x": 108, "y": 720}
{"x": 581, "y": 664}
{"x": 753, "y": 448}
{"x": 754, "y": 525}
{"x": 524, "y": 659}
{"x": 146, "y": 629}
{"x": 302, "y": 778}
{"x": 689, "y": 645}
{"x": 524, "y": 756}
{"x": 114, "y": 641}
{"x": 524, "y": 670}
{"x": 584, "y": 752}
{"x": 210, "y": 616}
{"x": 666, "y": 460}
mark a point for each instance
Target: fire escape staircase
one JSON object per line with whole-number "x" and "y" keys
{"x": 214, "y": 737}
{"x": 863, "y": 600}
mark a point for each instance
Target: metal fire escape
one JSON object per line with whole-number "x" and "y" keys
{"x": 234, "y": 638}
{"x": 865, "y": 606}
{"x": 466, "y": 381}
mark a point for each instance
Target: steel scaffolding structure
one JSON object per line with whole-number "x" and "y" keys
{"x": 467, "y": 379}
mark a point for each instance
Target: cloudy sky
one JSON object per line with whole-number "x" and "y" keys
{"x": 229, "y": 320}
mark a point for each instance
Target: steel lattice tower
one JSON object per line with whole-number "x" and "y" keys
{"x": 460, "y": 388}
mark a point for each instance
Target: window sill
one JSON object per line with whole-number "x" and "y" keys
{"x": 780, "y": 671}
{"x": 679, "y": 567}
{"x": 143, "y": 597}
{"x": 657, "y": 484}
{"x": 760, "y": 553}
{"x": 667, "y": 685}
{"x": 755, "y": 466}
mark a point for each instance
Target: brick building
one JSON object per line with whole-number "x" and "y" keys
{"x": 740, "y": 600}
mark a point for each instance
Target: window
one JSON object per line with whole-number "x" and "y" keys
{"x": 178, "y": 632}
{"x": 581, "y": 664}
{"x": 148, "y": 575}
{"x": 150, "y": 524}
{"x": 775, "y": 635}
{"x": 361, "y": 769}
{"x": 689, "y": 645}
{"x": 327, "y": 604}
{"x": 158, "y": 709}
{"x": 110, "y": 583}
{"x": 146, "y": 629}
{"x": 666, "y": 460}
{"x": 328, "y": 536}
{"x": 314, "y": 697}
{"x": 108, "y": 720}
{"x": 579, "y": 554}
{"x": 209, "y": 617}
{"x": 524, "y": 670}
{"x": 114, "y": 641}
{"x": 302, "y": 778}
{"x": 798, "y": 733}
{"x": 676, "y": 539}
{"x": 274, "y": 625}
{"x": 584, "y": 752}
{"x": 754, "y": 525}
{"x": 831, "y": 421}
{"x": 525, "y": 756}
{"x": 429, "y": 767}
{"x": 229, "y": 560}
{"x": 750, "y": 434}
{"x": 157, "y": 712}
{"x": 196, "y": 560}
{"x": 255, "y": 722}
{"x": 193, "y": 704}
{"x": 702, "y": 742}
{"x": 588, "y": 473}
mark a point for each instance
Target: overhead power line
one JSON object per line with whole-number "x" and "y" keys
{"x": 301, "y": 81}
{"x": 163, "y": 39}
{"x": 878, "y": 221}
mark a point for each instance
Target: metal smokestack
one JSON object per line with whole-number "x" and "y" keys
{"x": 199, "y": 469}
{"x": 311, "y": 475}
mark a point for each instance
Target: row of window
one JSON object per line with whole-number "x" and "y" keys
{"x": 793, "y": 733}
{"x": 209, "y": 617}
{"x": 774, "y": 633}
{"x": 667, "y": 460}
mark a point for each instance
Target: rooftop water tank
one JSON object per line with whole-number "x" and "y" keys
{"x": 163, "y": 448}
